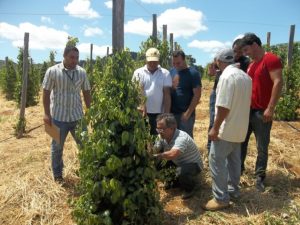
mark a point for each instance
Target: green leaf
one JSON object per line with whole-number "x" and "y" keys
{"x": 125, "y": 137}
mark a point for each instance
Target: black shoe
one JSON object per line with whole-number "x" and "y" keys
{"x": 234, "y": 196}
{"x": 188, "y": 194}
{"x": 260, "y": 184}
{"x": 59, "y": 179}
{"x": 171, "y": 185}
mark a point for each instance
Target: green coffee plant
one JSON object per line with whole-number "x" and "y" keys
{"x": 289, "y": 102}
{"x": 9, "y": 80}
{"x": 117, "y": 173}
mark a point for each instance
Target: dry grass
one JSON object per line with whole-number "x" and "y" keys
{"x": 28, "y": 194}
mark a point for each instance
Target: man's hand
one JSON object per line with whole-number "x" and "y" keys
{"x": 157, "y": 156}
{"x": 47, "y": 119}
{"x": 268, "y": 115}
{"x": 213, "y": 134}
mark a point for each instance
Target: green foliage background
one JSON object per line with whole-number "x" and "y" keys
{"x": 289, "y": 102}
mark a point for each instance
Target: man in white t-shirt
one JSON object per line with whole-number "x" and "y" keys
{"x": 156, "y": 83}
{"x": 229, "y": 130}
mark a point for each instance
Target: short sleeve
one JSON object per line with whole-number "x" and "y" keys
{"x": 86, "y": 84}
{"x": 225, "y": 90}
{"x": 180, "y": 144}
{"x": 196, "y": 78}
{"x": 272, "y": 62}
{"x": 48, "y": 82}
{"x": 168, "y": 80}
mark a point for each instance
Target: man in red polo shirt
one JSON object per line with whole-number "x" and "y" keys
{"x": 266, "y": 73}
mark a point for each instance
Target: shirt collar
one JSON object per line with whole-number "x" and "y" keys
{"x": 62, "y": 67}
{"x": 146, "y": 68}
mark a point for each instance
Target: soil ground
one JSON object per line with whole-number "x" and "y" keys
{"x": 28, "y": 194}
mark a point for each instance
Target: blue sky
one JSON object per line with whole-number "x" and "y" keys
{"x": 201, "y": 27}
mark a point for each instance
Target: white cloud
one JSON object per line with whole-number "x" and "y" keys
{"x": 81, "y": 9}
{"x": 85, "y": 48}
{"x": 109, "y": 4}
{"x": 138, "y": 26}
{"x": 46, "y": 19}
{"x": 187, "y": 24}
{"x": 212, "y": 46}
{"x": 92, "y": 31}
{"x": 158, "y": 1}
{"x": 55, "y": 39}
{"x": 66, "y": 27}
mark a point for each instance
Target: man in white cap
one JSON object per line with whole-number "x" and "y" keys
{"x": 156, "y": 83}
{"x": 229, "y": 130}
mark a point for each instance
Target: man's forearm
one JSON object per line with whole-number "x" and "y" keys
{"x": 275, "y": 95}
{"x": 193, "y": 104}
{"x": 46, "y": 102}
{"x": 87, "y": 98}
{"x": 222, "y": 113}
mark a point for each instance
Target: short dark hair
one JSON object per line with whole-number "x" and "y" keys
{"x": 238, "y": 42}
{"x": 249, "y": 39}
{"x": 178, "y": 53}
{"x": 168, "y": 118}
{"x": 69, "y": 49}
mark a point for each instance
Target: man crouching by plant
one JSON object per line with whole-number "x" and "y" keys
{"x": 178, "y": 146}
{"x": 62, "y": 102}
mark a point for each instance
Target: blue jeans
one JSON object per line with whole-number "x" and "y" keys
{"x": 212, "y": 103}
{"x": 57, "y": 149}
{"x": 187, "y": 126}
{"x": 225, "y": 167}
{"x": 262, "y": 132}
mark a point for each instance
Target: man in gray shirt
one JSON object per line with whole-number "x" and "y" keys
{"x": 178, "y": 146}
{"x": 62, "y": 102}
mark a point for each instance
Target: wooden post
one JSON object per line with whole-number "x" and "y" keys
{"x": 107, "y": 51}
{"x": 268, "y": 39}
{"x": 118, "y": 25}
{"x": 91, "y": 59}
{"x": 290, "y": 55}
{"x": 6, "y": 66}
{"x": 24, "y": 83}
{"x": 171, "y": 43}
{"x": 290, "y": 47}
{"x": 165, "y": 32}
{"x": 176, "y": 46}
{"x": 171, "y": 49}
{"x": 154, "y": 27}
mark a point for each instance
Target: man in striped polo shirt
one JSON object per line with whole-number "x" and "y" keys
{"x": 178, "y": 146}
{"x": 62, "y": 102}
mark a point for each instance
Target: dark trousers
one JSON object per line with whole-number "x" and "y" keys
{"x": 185, "y": 177}
{"x": 152, "y": 122}
{"x": 262, "y": 132}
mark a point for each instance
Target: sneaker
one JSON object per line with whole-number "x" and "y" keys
{"x": 260, "y": 184}
{"x": 213, "y": 205}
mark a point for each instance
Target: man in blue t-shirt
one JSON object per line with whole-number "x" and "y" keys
{"x": 186, "y": 93}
